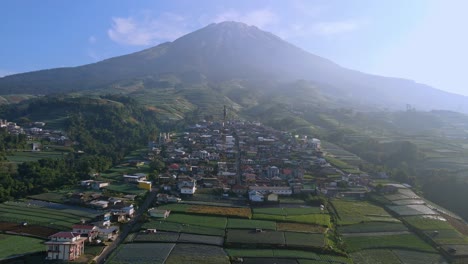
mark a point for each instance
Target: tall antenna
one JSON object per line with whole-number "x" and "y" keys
{"x": 224, "y": 115}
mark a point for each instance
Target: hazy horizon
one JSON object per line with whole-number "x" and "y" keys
{"x": 417, "y": 40}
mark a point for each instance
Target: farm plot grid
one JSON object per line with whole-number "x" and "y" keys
{"x": 353, "y": 212}
{"x": 22, "y": 212}
{"x": 141, "y": 253}
{"x": 194, "y": 253}
{"x": 395, "y": 256}
{"x": 404, "y": 241}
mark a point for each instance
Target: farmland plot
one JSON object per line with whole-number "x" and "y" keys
{"x": 414, "y": 257}
{"x": 201, "y": 239}
{"x": 198, "y": 220}
{"x": 294, "y": 239}
{"x": 183, "y": 228}
{"x": 11, "y": 245}
{"x": 237, "y": 223}
{"x": 353, "y": 212}
{"x": 427, "y": 222}
{"x": 239, "y": 236}
{"x": 298, "y": 227}
{"x": 141, "y": 253}
{"x": 447, "y": 237}
{"x": 412, "y": 209}
{"x": 371, "y": 227}
{"x": 168, "y": 237}
{"x": 192, "y": 253}
{"x": 405, "y": 241}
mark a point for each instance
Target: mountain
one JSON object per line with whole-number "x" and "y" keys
{"x": 229, "y": 51}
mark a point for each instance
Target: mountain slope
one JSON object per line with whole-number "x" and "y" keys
{"x": 228, "y": 51}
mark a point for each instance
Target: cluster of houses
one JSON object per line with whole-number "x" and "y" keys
{"x": 248, "y": 159}
{"x": 35, "y": 132}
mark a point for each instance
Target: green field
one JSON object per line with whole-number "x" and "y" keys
{"x": 395, "y": 256}
{"x": 20, "y": 157}
{"x": 240, "y": 236}
{"x": 54, "y": 197}
{"x": 427, "y": 222}
{"x": 369, "y": 227}
{"x": 447, "y": 237}
{"x": 21, "y": 212}
{"x": 287, "y": 211}
{"x": 238, "y": 223}
{"x": 353, "y": 212}
{"x": 194, "y": 253}
{"x": 182, "y": 228}
{"x": 218, "y": 222}
{"x": 125, "y": 188}
{"x": 406, "y": 241}
{"x": 283, "y": 253}
{"x": 317, "y": 219}
{"x": 11, "y": 245}
{"x": 294, "y": 239}
{"x": 141, "y": 253}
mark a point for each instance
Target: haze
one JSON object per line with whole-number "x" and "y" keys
{"x": 418, "y": 40}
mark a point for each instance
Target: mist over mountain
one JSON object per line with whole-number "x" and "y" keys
{"x": 228, "y": 51}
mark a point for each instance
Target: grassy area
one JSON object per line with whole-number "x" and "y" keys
{"x": 125, "y": 188}
{"x": 141, "y": 253}
{"x": 236, "y": 223}
{"x": 284, "y": 253}
{"x": 314, "y": 219}
{"x": 198, "y": 220}
{"x": 406, "y": 241}
{"x": 298, "y": 227}
{"x": 427, "y": 222}
{"x": 24, "y": 156}
{"x": 392, "y": 256}
{"x": 11, "y": 245}
{"x": 288, "y": 211}
{"x": 304, "y": 239}
{"x": 183, "y": 228}
{"x": 241, "y": 236}
{"x": 18, "y": 212}
{"x": 193, "y": 253}
{"x": 49, "y": 197}
{"x": 447, "y": 237}
{"x": 372, "y": 227}
{"x": 353, "y": 212}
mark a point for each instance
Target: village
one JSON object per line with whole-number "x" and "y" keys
{"x": 223, "y": 170}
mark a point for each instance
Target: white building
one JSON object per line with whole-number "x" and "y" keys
{"x": 65, "y": 246}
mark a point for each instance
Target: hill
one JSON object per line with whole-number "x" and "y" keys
{"x": 230, "y": 51}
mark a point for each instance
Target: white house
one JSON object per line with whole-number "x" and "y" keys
{"x": 65, "y": 246}
{"x": 256, "y": 196}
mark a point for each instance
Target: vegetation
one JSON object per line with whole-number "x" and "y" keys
{"x": 406, "y": 241}
{"x": 11, "y": 245}
{"x": 353, "y": 212}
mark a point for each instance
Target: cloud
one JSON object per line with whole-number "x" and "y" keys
{"x": 147, "y": 30}
{"x": 92, "y": 39}
{"x": 260, "y": 18}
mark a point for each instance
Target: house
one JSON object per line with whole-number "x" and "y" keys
{"x": 239, "y": 189}
{"x": 107, "y": 233}
{"x": 89, "y": 231}
{"x": 256, "y": 196}
{"x": 280, "y": 190}
{"x": 98, "y": 185}
{"x": 272, "y": 197}
{"x": 165, "y": 198}
{"x": 127, "y": 210}
{"x": 158, "y": 213}
{"x": 99, "y": 204}
{"x": 145, "y": 185}
{"x": 65, "y": 246}
{"x": 135, "y": 178}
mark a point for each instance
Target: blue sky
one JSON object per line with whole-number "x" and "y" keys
{"x": 422, "y": 40}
